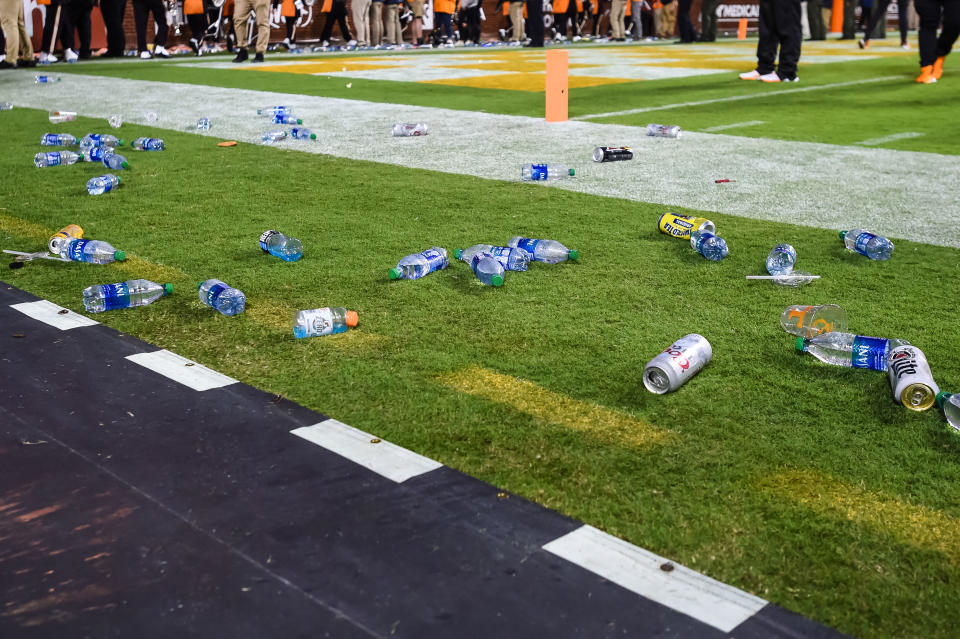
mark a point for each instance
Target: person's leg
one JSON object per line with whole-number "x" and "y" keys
{"x": 241, "y": 16}
{"x": 516, "y": 19}
{"x": 879, "y": 14}
{"x": 903, "y": 20}
{"x": 767, "y": 44}
{"x": 636, "y": 15}
{"x": 390, "y": 22}
{"x": 849, "y": 19}
{"x": 376, "y": 23}
{"x": 790, "y": 36}
{"x": 159, "y": 12}
{"x": 80, "y": 16}
{"x": 140, "y": 20}
{"x": 361, "y": 21}
{"x": 8, "y": 21}
{"x": 618, "y": 9}
{"x": 24, "y": 44}
{"x": 951, "y": 27}
{"x": 929, "y": 12}
{"x": 683, "y": 20}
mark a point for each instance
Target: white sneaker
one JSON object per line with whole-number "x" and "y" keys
{"x": 145, "y": 55}
{"x": 770, "y": 77}
{"x": 160, "y": 52}
{"x": 750, "y": 75}
{"x": 352, "y": 43}
{"x": 70, "y": 55}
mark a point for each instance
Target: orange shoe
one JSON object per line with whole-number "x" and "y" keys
{"x": 938, "y": 67}
{"x": 926, "y": 75}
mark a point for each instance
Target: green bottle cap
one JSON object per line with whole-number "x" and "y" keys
{"x": 121, "y": 142}
{"x": 395, "y": 273}
{"x": 574, "y": 254}
{"x": 801, "y": 344}
{"x": 123, "y": 165}
{"x": 299, "y": 121}
{"x": 497, "y": 280}
{"x": 199, "y": 284}
{"x": 572, "y": 172}
{"x": 313, "y": 136}
{"x": 119, "y": 255}
{"x": 843, "y": 234}
{"x": 457, "y": 253}
{"x": 167, "y": 288}
{"x": 942, "y": 398}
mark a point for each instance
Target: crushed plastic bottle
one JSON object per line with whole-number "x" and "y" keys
{"x": 46, "y": 79}
{"x": 709, "y": 245}
{"x": 59, "y": 117}
{"x": 114, "y": 161}
{"x": 218, "y": 296}
{"x": 512, "y": 259}
{"x": 663, "y": 131}
{"x": 876, "y": 247}
{"x": 847, "y": 349}
{"x": 300, "y": 133}
{"x": 324, "y": 321}
{"x": 781, "y": 259}
{"x": 409, "y": 129}
{"x": 100, "y": 139}
{"x": 272, "y": 137}
{"x": 6, "y": 106}
{"x": 547, "y": 251}
{"x": 288, "y": 249}
{"x": 950, "y": 404}
{"x": 55, "y": 158}
{"x": 58, "y": 139}
{"x": 203, "y": 124}
{"x": 147, "y": 144}
{"x": 274, "y": 111}
{"x": 286, "y": 119}
{"x": 417, "y": 265}
{"x": 544, "y": 172}
{"x": 129, "y": 294}
{"x": 810, "y": 321}
{"x": 116, "y": 121}
{"x": 487, "y": 269}
{"x": 90, "y": 251}
{"x": 102, "y": 184}
{"x": 150, "y": 116}
{"x": 70, "y": 231}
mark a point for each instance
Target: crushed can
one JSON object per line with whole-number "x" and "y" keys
{"x": 681, "y": 226}
{"x": 671, "y": 369}
{"x": 68, "y": 232}
{"x": 910, "y": 378}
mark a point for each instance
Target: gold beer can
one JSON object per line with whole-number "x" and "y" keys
{"x": 681, "y": 226}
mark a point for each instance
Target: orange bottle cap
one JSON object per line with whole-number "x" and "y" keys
{"x": 352, "y": 318}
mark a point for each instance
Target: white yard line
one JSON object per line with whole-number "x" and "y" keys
{"x": 890, "y": 138}
{"x": 735, "y": 125}
{"x": 898, "y": 193}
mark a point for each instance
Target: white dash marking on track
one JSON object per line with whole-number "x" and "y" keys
{"x": 735, "y": 125}
{"x": 382, "y": 457}
{"x": 687, "y": 591}
{"x": 906, "y": 135}
{"x": 180, "y": 369}
{"x": 50, "y": 313}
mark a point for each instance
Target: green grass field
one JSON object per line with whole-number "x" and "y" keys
{"x": 802, "y": 483}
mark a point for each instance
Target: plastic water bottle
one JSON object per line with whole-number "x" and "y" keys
{"x": 781, "y": 259}
{"x": 288, "y": 249}
{"x": 45, "y": 79}
{"x": 810, "y": 321}
{"x": 415, "y": 266}
{"x": 409, "y": 129}
{"x": 90, "y": 251}
{"x": 147, "y": 144}
{"x": 6, "y": 106}
{"x": 273, "y": 111}
{"x": 286, "y": 119}
{"x": 95, "y": 154}
{"x": 548, "y": 251}
{"x": 150, "y": 116}
{"x": 487, "y": 269}
{"x": 512, "y": 259}
{"x": 543, "y": 172}
{"x": 302, "y": 134}
{"x": 58, "y": 139}
{"x": 114, "y": 161}
{"x": 221, "y": 297}
{"x": 950, "y": 403}
{"x": 102, "y": 184}
{"x": 100, "y": 139}
{"x": 108, "y": 297}
{"x": 876, "y": 247}
{"x": 55, "y": 158}
{"x": 663, "y": 131}
{"x": 324, "y": 321}
{"x": 271, "y": 137}
{"x": 847, "y": 349}
{"x": 709, "y": 245}
{"x": 203, "y": 124}
{"x": 116, "y": 121}
{"x": 59, "y": 117}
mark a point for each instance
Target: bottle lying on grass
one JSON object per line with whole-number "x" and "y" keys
{"x": 543, "y": 172}
{"x": 90, "y": 251}
{"x": 324, "y": 321}
{"x": 512, "y": 259}
{"x": 487, "y": 269}
{"x": 220, "y": 297}
{"x": 709, "y": 245}
{"x": 547, "y": 251}
{"x": 847, "y": 349}
{"x": 415, "y": 266}
{"x": 876, "y": 247}
{"x": 288, "y": 249}
{"x": 108, "y": 297}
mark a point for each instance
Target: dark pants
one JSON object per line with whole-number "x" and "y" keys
{"x": 880, "y": 17}
{"x": 931, "y": 11}
{"x": 708, "y": 20}
{"x": 113, "y": 11}
{"x": 445, "y": 23}
{"x": 568, "y": 19}
{"x": 598, "y": 16}
{"x": 140, "y": 10}
{"x": 849, "y": 19}
{"x": 79, "y": 11}
{"x": 198, "y": 25}
{"x": 291, "y": 21}
{"x": 471, "y": 18}
{"x": 818, "y": 30}
{"x": 338, "y": 13}
{"x": 780, "y": 27}
{"x": 684, "y": 23}
{"x": 534, "y": 22}
{"x": 63, "y": 24}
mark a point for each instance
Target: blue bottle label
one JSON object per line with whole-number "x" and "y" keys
{"x": 75, "y": 250}
{"x": 214, "y": 294}
{"x": 860, "y": 246}
{"x": 96, "y": 154}
{"x": 528, "y": 245}
{"x": 702, "y": 239}
{"x": 53, "y": 158}
{"x": 115, "y": 296}
{"x": 106, "y": 182}
{"x": 435, "y": 258}
{"x": 539, "y": 172}
{"x": 51, "y": 139}
{"x": 869, "y": 352}
{"x": 266, "y": 235}
{"x": 500, "y": 251}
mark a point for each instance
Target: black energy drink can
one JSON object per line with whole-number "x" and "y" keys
{"x": 612, "y": 153}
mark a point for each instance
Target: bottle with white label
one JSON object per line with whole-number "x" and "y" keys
{"x": 218, "y": 296}
{"x": 547, "y": 251}
{"x": 415, "y": 266}
{"x": 324, "y": 321}
{"x": 876, "y": 247}
{"x": 108, "y": 297}
{"x": 847, "y": 349}
{"x": 409, "y": 129}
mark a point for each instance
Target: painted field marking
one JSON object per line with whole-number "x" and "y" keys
{"x": 182, "y": 370}
{"x": 50, "y": 313}
{"x": 734, "y": 98}
{"x": 890, "y": 138}
{"x": 536, "y": 401}
{"x": 735, "y": 125}
{"x": 918, "y": 526}
{"x": 382, "y": 457}
{"x": 641, "y": 571}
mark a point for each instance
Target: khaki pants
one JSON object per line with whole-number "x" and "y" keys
{"x": 376, "y": 23}
{"x": 668, "y": 20}
{"x": 241, "y": 13}
{"x": 393, "y": 28}
{"x": 361, "y": 20}
{"x": 14, "y": 27}
{"x": 618, "y": 9}
{"x": 516, "y": 18}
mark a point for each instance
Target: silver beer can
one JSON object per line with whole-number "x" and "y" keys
{"x": 671, "y": 369}
{"x": 910, "y": 378}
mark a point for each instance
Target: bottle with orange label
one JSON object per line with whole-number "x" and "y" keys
{"x": 681, "y": 226}
{"x": 70, "y": 231}
{"x": 810, "y": 321}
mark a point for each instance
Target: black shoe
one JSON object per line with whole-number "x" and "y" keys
{"x": 242, "y": 55}
{"x": 258, "y": 57}
{"x": 26, "y": 64}
{"x": 5, "y": 65}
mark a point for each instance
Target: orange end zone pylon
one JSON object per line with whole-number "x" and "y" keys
{"x": 557, "y": 84}
{"x": 742, "y": 29}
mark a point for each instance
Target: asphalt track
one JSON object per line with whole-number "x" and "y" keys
{"x": 143, "y": 495}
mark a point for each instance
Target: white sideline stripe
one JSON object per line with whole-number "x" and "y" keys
{"x": 890, "y": 138}
{"x": 180, "y": 369}
{"x": 382, "y": 457}
{"x": 735, "y": 125}
{"x": 734, "y": 98}
{"x": 49, "y": 313}
{"x": 695, "y": 595}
